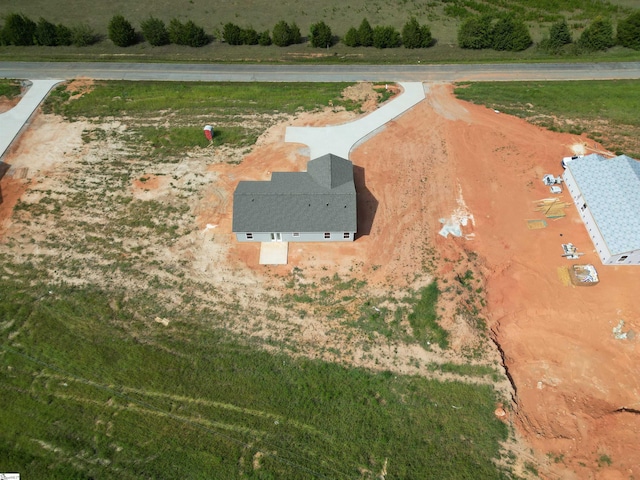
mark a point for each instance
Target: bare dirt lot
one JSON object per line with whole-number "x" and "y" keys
{"x": 576, "y": 393}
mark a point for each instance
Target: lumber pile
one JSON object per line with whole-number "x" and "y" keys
{"x": 552, "y": 207}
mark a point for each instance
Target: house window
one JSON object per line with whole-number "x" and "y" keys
{"x": 249, "y": 236}
{"x": 346, "y": 235}
{"x": 584, "y": 207}
{"x": 327, "y": 235}
{"x": 623, "y": 258}
{"x": 296, "y": 234}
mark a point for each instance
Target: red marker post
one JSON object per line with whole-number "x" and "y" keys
{"x": 208, "y": 132}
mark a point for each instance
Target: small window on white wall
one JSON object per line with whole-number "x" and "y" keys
{"x": 296, "y": 234}
{"x": 623, "y": 258}
{"x": 249, "y": 236}
{"x": 327, "y": 235}
{"x": 346, "y": 235}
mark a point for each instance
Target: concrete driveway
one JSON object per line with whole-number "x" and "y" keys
{"x": 12, "y": 122}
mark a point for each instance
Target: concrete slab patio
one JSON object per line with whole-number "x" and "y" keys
{"x": 340, "y": 139}
{"x": 14, "y": 120}
{"x": 274, "y": 253}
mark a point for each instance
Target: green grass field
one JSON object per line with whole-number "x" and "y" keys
{"x": 340, "y": 16}
{"x": 89, "y": 390}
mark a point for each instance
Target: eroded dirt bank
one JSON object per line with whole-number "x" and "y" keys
{"x": 577, "y": 385}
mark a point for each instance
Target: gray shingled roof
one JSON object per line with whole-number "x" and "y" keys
{"x": 611, "y": 189}
{"x": 322, "y": 199}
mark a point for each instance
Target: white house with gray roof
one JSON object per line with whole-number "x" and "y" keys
{"x": 318, "y": 205}
{"x": 606, "y": 192}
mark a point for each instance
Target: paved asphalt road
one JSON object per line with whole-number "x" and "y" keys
{"x": 319, "y": 73}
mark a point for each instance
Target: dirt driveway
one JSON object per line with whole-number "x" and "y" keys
{"x": 576, "y": 389}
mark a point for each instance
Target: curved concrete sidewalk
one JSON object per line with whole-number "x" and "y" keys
{"x": 340, "y": 139}
{"x": 11, "y": 122}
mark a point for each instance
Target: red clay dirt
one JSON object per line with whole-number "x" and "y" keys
{"x": 577, "y": 395}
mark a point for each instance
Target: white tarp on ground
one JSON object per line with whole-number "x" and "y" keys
{"x": 460, "y": 217}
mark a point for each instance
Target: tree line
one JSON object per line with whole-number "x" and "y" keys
{"x": 505, "y": 32}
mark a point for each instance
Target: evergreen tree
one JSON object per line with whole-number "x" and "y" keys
{"x": 188, "y": 33}
{"x": 155, "y": 32}
{"x": 629, "y": 31}
{"x": 45, "y": 33}
{"x": 18, "y": 30}
{"x": 194, "y": 35}
{"x": 294, "y": 34}
{"x": 351, "y": 38}
{"x": 175, "y": 31}
{"x": 264, "y": 39}
{"x": 559, "y": 34}
{"x": 284, "y": 35}
{"x": 475, "y": 33}
{"x": 510, "y": 34}
{"x": 365, "y": 34}
{"x": 597, "y": 36}
{"x": 250, "y": 36}
{"x": 121, "y": 32}
{"x": 64, "y": 36}
{"x": 320, "y": 35}
{"x": 82, "y": 35}
{"x": 416, "y": 36}
{"x": 386, "y": 37}
{"x": 233, "y": 34}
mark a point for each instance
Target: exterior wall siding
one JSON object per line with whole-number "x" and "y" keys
{"x": 600, "y": 246}
{"x": 301, "y": 237}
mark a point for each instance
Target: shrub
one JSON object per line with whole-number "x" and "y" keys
{"x": 386, "y": 37}
{"x": 250, "y": 36}
{"x": 597, "y": 36}
{"x": 320, "y": 35}
{"x": 475, "y": 33}
{"x": 285, "y": 35}
{"x": 64, "y": 35}
{"x": 155, "y": 31}
{"x": 351, "y": 38}
{"x": 415, "y": 35}
{"x": 510, "y": 34}
{"x": 629, "y": 31}
{"x": 232, "y": 34}
{"x": 45, "y": 33}
{"x": 18, "y": 30}
{"x": 82, "y": 35}
{"x": 264, "y": 39}
{"x": 121, "y": 32}
{"x": 365, "y": 33}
